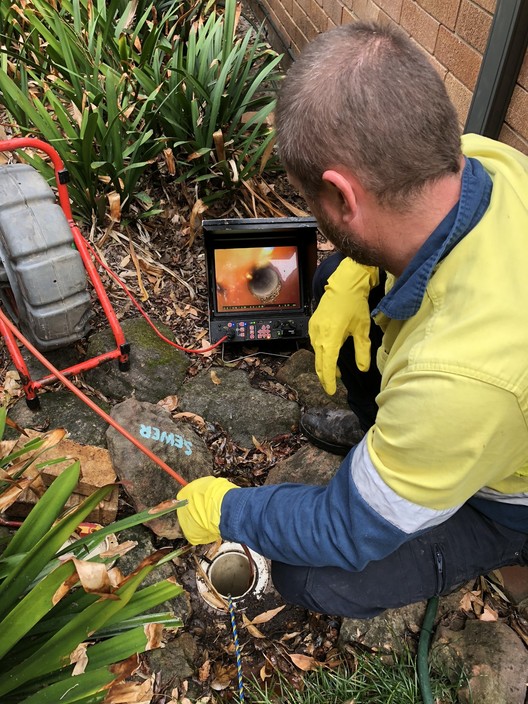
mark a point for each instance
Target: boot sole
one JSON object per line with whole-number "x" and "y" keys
{"x": 333, "y": 448}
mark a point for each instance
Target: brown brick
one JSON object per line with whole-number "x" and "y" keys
{"x": 318, "y": 16}
{"x": 419, "y": 24}
{"x": 281, "y": 19}
{"x": 284, "y": 23}
{"x": 288, "y": 6}
{"x": 460, "y": 96}
{"x": 445, "y": 11}
{"x": 523, "y": 73}
{"x": 488, "y": 5}
{"x": 508, "y": 136}
{"x": 440, "y": 68}
{"x": 304, "y": 24}
{"x": 365, "y": 10}
{"x": 385, "y": 20}
{"x": 391, "y": 7}
{"x": 460, "y": 58}
{"x": 347, "y": 16}
{"x": 333, "y": 9}
{"x": 517, "y": 115}
{"x": 473, "y": 25}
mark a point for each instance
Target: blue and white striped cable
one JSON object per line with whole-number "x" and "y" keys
{"x": 237, "y": 650}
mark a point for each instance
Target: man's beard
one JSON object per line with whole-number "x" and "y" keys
{"x": 343, "y": 241}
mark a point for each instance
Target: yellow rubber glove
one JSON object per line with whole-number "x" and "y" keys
{"x": 343, "y": 311}
{"x": 200, "y": 519}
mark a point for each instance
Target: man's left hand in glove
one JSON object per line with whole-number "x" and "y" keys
{"x": 200, "y": 518}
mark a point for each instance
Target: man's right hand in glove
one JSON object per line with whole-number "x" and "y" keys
{"x": 343, "y": 311}
{"x": 199, "y": 519}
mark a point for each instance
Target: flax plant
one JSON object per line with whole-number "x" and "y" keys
{"x": 215, "y": 100}
{"x": 72, "y": 625}
{"x": 65, "y": 77}
{"x": 111, "y": 84}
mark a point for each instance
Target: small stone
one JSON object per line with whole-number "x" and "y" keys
{"x": 309, "y": 465}
{"x": 227, "y": 398}
{"x": 62, "y": 409}
{"x": 298, "y": 372}
{"x": 492, "y": 657}
{"x": 386, "y": 632}
{"x": 176, "y": 660}
{"x": 176, "y": 443}
{"x": 156, "y": 368}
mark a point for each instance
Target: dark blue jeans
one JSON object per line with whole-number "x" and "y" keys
{"x": 465, "y": 546}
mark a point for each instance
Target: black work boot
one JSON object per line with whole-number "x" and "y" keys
{"x": 332, "y": 429}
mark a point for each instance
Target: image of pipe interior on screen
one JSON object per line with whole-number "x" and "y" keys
{"x": 257, "y": 278}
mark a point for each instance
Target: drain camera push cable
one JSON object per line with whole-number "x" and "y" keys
{"x": 94, "y": 407}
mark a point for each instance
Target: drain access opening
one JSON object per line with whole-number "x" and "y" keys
{"x": 230, "y": 574}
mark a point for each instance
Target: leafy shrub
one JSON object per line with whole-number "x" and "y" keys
{"x": 111, "y": 84}
{"x": 66, "y": 616}
{"x": 65, "y": 78}
{"x": 213, "y": 98}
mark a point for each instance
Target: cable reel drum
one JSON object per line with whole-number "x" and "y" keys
{"x": 43, "y": 283}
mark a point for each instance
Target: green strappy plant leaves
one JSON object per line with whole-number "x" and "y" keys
{"x": 46, "y": 610}
{"x": 110, "y": 84}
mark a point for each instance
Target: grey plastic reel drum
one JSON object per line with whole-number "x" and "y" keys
{"x": 42, "y": 276}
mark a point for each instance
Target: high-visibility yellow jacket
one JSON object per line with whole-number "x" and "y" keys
{"x": 453, "y": 406}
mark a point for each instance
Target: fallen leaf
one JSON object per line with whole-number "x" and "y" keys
{"x": 223, "y": 677}
{"x": 170, "y": 161}
{"x": 213, "y": 549}
{"x": 195, "y": 221}
{"x": 131, "y": 692}
{"x": 304, "y": 662}
{"x": 289, "y": 636}
{"x": 194, "y": 417}
{"x": 469, "y": 599}
{"x": 169, "y": 403}
{"x": 144, "y": 295}
{"x": 12, "y": 386}
{"x": 154, "y": 632}
{"x": 267, "y": 615}
{"x": 218, "y": 138}
{"x": 114, "y": 201}
{"x": 118, "y": 549}
{"x": 264, "y": 674}
{"x": 489, "y": 614}
{"x": 214, "y": 378}
{"x": 11, "y": 495}
{"x": 80, "y": 658}
{"x": 93, "y": 576}
{"x": 204, "y": 671}
{"x": 253, "y": 630}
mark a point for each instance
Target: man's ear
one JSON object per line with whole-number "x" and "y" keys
{"x": 340, "y": 194}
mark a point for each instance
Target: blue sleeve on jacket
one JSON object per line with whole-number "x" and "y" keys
{"x": 306, "y": 525}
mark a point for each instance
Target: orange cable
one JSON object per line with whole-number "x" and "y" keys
{"x": 88, "y": 401}
{"x": 144, "y": 314}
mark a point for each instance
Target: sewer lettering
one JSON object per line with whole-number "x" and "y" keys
{"x": 150, "y": 432}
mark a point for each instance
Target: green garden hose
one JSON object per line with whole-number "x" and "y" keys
{"x": 423, "y": 651}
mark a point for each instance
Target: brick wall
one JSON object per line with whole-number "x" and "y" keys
{"x": 452, "y": 32}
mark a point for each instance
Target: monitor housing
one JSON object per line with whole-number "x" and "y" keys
{"x": 259, "y": 275}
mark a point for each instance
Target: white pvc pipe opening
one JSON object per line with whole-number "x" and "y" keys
{"x": 229, "y": 572}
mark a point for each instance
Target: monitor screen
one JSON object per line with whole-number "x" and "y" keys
{"x": 257, "y": 278}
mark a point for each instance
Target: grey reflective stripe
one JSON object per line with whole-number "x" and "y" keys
{"x": 401, "y": 513}
{"x": 492, "y": 495}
